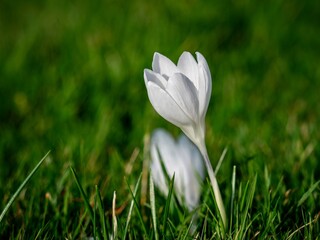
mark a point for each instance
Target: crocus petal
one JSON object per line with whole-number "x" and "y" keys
{"x": 192, "y": 196}
{"x": 154, "y": 77}
{"x": 166, "y": 106}
{"x": 193, "y": 164}
{"x": 189, "y": 67}
{"x": 191, "y": 152}
{"x": 177, "y": 158}
{"x": 184, "y": 93}
{"x": 205, "y": 85}
{"x": 163, "y": 65}
{"x": 162, "y": 149}
{"x": 195, "y": 133}
{"x": 164, "y": 142}
{"x": 157, "y": 174}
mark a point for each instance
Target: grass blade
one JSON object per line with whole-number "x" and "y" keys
{"x": 308, "y": 193}
{"x": 101, "y": 212}
{"x": 86, "y": 202}
{"x": 131, "y": 208}
{"x": 153, "y": 207}
{"x": 138, "y": 211}
{"x": 249, "y": 198}
{"x": 24, "y": 183}
{"x": 95, "y": 219}
{"x": 114, "y": 218}
{"x": 167, "y": 206}
{"x": 83, "y": 195}
{"x": 225, "y": 150}
{"x": 233, "y": 187}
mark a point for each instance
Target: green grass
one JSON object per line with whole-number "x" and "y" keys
{"x": 71, "y": 81}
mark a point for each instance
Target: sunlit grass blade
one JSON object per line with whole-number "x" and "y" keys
{"x": 307, "y": 224}
{"x": 101, "y": 213}
{"x": 114, "y": 218}
{"x": 249, "y": 198}
{"x": 308, "y": 193}
{"x": 137, "y": 207}
{"x": 233, "y": 189}
{"x": 242, "y": 196}
{"x": 23, "y": 184}
{"x": 153, "y": 208}
{"x": 225, "y": 150}
{"x": 131, "y": 208}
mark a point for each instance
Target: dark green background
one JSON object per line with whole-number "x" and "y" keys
{"x": 71, "y": 81}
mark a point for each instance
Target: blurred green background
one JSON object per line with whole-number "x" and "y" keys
{"x": 71, "y": 80}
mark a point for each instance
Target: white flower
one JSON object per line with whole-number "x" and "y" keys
{"x": 181, "y": 158}
{"x": 181, "y": 93}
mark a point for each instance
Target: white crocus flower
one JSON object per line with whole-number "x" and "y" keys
{"x": 181, "y": 158}
{"x": 181, "y": 94}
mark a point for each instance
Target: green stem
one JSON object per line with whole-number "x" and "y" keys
{"x": 214, "y": 184}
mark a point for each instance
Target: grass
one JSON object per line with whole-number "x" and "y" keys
{"x": 71, "y": 81}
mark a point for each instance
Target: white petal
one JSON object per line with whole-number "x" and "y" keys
{"x": 166, "y": 106}
{"x": 154, "y": 77}
{"x": 192, "y": 153}
{"x": 164, "y": 142}
{"x": 189, "y": 131}
{"x": 189, "y": 67}
{"x": 184, "y": 93}
{"x": 163, "y": 65}
{"x": 177, "y": 158}
{"x": 194, "y": 171}
{"x": 157, "y": 173}
{"x": 164, "y": 149}
{"x": 192, "y": 193}
{"x": 205, "y": 85}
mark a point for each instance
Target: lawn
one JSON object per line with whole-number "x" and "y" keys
{"x": 71, "y": 82}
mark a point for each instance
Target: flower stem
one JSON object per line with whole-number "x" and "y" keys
{"x": 214, "y": 184}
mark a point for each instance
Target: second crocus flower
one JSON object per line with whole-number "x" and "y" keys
{"x": 181, "y": 158}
